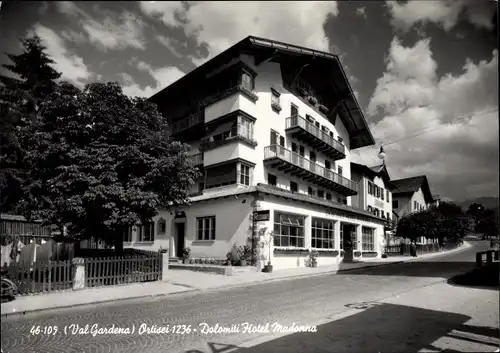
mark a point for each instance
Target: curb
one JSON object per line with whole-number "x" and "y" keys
{"x": 20, "y": 313}
{"x": 221, "y": 288}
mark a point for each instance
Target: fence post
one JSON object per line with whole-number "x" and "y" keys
{"x": 78, "y": 273}
{"x": 164, "y": 267}
{"x": 479, "y": 259}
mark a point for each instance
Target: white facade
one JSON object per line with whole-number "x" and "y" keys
{"x": 409, "y": 203}
{"x": 224, "y": 212}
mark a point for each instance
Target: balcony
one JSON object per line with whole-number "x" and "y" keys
{"x": 233, "y": 134}
{"x": 187, "y": 123}
{"x": 197, "y": 159}
{"x": 306, "y": 132}
{"x": 289, "y": 162}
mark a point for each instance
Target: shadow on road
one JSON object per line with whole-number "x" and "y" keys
{"x": 485, "y": 277}
{"x": 379, "y": 328}
{"x": 410, "y": 269}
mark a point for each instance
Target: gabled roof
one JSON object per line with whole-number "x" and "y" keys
{"x": 371, "y": 172}
{"x": 411, "y": 185}
{"x": 268, "y": 50}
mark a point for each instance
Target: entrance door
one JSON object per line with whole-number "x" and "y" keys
{"x": 180, "y": 227}
{"x": 347, "y": 231}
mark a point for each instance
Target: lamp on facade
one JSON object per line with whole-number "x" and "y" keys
{"x": 381, "y": 153}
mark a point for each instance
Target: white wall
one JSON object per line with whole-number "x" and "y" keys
{"x": 230, "y": 151}
{"x": 406, "y": 203}
{"x": 377, "y": 202}
{"x": 228, "y": 105}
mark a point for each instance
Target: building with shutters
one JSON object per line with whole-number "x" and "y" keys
{"x": 272, "y": 127}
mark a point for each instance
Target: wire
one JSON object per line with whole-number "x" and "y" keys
{"x": 439, "y": 127}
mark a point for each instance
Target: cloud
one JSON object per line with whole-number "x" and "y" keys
{"x": 361, "y": 11}
{"x": 170, "y": 44}
{"x": 219, "y": 27}
{"x": 460, "y": 157}
{"x": 163, "y": 77}
{"x": 108, "y": 31}
{"x": 70, "y": 65}
{"x": 445, "y": 13}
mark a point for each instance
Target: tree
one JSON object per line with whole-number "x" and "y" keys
{"x": 19, "y": 96}
{"x": 102, "y": 161}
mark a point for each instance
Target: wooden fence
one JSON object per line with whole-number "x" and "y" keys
{"x": 47, "y": 277}
{"x": 121, "y": 270}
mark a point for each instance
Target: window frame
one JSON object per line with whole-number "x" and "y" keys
{"x": 242, "y": 176}
{"x": 280, "y": 229}
{"x": 242, "y": 80}
{"x": 270, "y": 176}
{"x": 367, "y": 239}
{"x": 143, "y": 230}
{"x": 211, "y": 230}
{"x": 318, "y": 232}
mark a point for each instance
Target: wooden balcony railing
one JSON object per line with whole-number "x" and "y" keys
{"x": 298, "y": 121}
{"x": 276, "y": 151}
{"x": 186, "y": 123}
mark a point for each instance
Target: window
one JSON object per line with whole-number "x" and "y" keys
{"x": 244, "y": 174}
{"x": 294, "y": 187}
{"x": 127, "y": 234}
{"x": 370, "y": 188}
{"x": 272, "y": 179}
{"x": 310, "y": 191}
{"x": 387, "y": 195}
{"x": 382, "y": 194}
{"x": 331, "y": 134}
{"x": 310, "y": 119}
{"x": 377, "y": 191}
{"x": 327, "y": 164}
{"x": 370, "y": 209}
{"x": 245, "y": 127}
{"x": 340, "y": 139}
{"x": 395, "y": 204}
{"x": 388, "y": 216}
{"x": 415, "y": 205}
{"x": 294, "y": 147}
{"x": 322, "y": 234}
{"x": 302, "y": 151}
{"x": 145, "y": 232}
{"x": 340, "y": 170}
{"x": 205, "y": 228}
{"x": 275, "y": 99}
{"x": 247, "y": 81}
{"x": 316, "y": 124}
{"x": 274, "y": 137}
{"x": 312, "y": 156}
{"x": 367, "y": 239}
{"x": 321, "y": 193}
{"x": 328, "y": 196}
{"x": 342, "y": 200}
{"x": 294, "y": 110}
{"x": 377, "y": 212}
{"x": 162, "y": 226}
{"x": 222, "y": 175}
{"x": 288, "y": 230}
{"x": 282, "y": 141}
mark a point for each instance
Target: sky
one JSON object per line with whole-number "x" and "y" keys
{"x": 425, "y": 72}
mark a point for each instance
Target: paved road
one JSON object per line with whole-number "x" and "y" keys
{"x": 301, "y": 301}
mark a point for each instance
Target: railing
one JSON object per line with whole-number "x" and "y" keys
{"x": 404, "y": 249}
{"x": 197, "y": 159}
{"x": 188, "y": 122}
{"x": 298, "y": 121}
{"x": 120, "y": 270}
{"x": 234, "y": 133}
{"x": 40, "y": 277}
{"x": 282, "y": 153}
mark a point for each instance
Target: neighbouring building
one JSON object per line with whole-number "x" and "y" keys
{"x": 412, "y": 195}
{"x": 374, "y": 193}
{"x": 271, "y": 126}
{"x": 16, "y": 226}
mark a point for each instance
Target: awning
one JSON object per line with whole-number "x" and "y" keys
{"x": 217, "y": 129}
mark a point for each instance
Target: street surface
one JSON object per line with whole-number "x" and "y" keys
{"x": 363, "y": 310}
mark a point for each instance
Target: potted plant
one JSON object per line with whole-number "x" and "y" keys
{"x": 302, "y": 92}
{"x": 268, "y": 241}
{"x": 313, "y": 258}
{"x": 185, "y": 253}
{"x": 323, "y": 109}
{"x": 245, "y": 254}
{"x": 312, "y": 100}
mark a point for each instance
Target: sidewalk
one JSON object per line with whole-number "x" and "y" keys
{"x": 183, "y": 281}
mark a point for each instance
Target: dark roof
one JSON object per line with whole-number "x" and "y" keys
{"x": 411, "y": 185}
{"x": 352, "y": 116}
{"x": 276, "y": 191}
{"x": 379, "y": 170}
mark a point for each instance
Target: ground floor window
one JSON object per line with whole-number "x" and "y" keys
{"x": 146, "y": 232}
{"x": 205, "y": 228}
{"x": 368, "y": 239}
{"x": 322, "y": 234}
{"x": 289, "y": 230}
